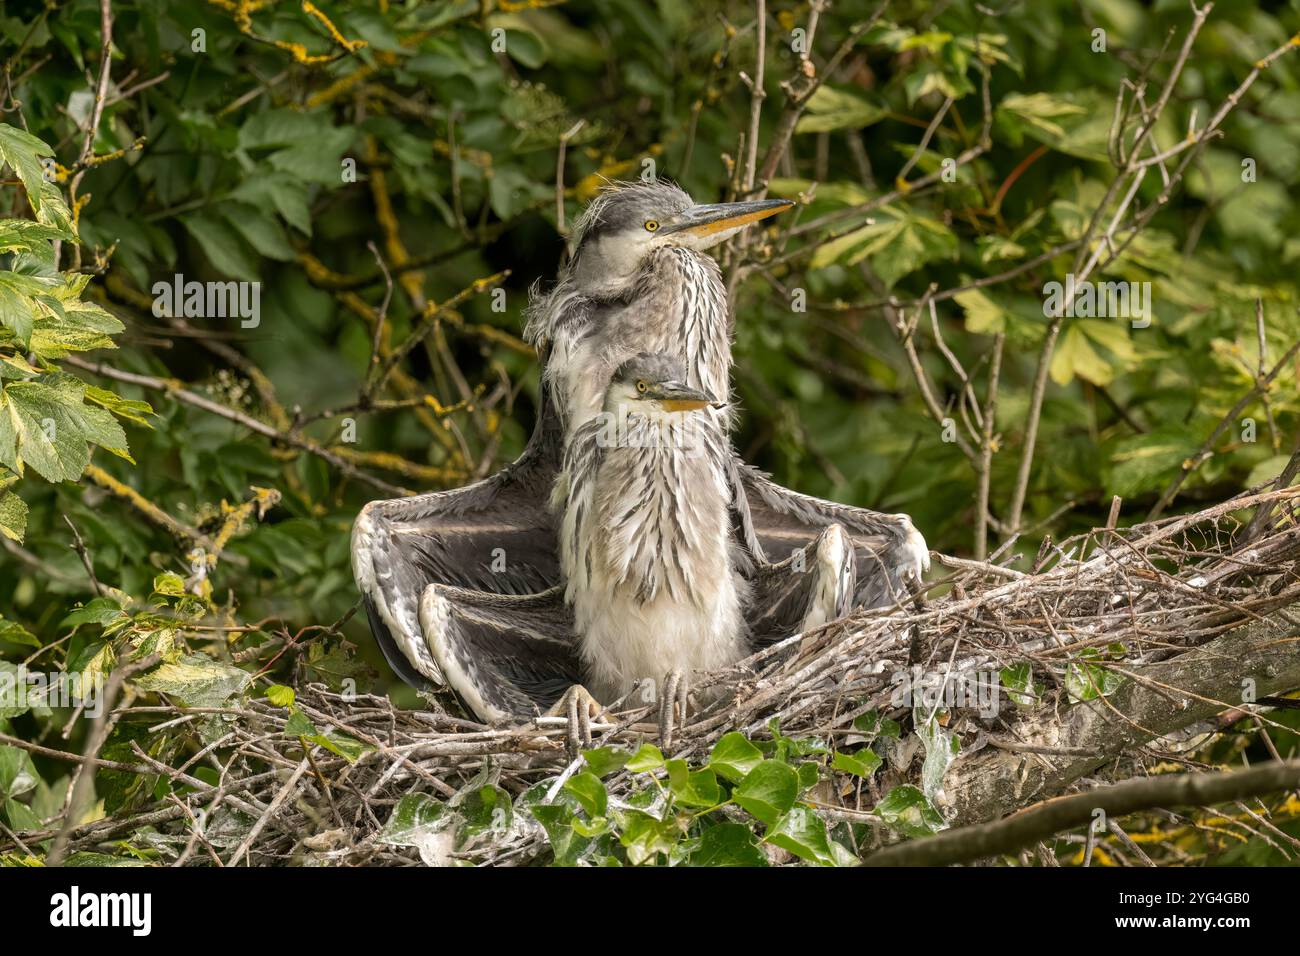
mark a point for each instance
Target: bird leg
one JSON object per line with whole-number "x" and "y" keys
{"x": 579, "y": 707}
{"x": 672, "y": 708}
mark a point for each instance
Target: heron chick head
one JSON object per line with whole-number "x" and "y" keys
{"x": 654, "y": 384}
{"x": 629, "y": 221}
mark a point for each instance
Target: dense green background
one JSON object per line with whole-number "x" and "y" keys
{"x": 236, "y": 166}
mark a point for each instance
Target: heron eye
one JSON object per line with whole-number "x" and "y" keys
{"x": 641, "y": 386}
{"x": 651, "y": 225}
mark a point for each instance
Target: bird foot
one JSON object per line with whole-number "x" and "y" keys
{"x": 580, "y": 708}
{"x": 672, "y": 708}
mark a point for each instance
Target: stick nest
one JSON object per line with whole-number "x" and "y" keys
{"x": 1156, "y": 589}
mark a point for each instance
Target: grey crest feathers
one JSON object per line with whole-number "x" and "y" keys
{"x": 653, "y": 367}
{"x": 627, "y": 205}
{"x": 619, "y": 206}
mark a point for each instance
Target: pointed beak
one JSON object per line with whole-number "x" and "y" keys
{"x": 719, "y": 217}
{"x": 676, "y": 397}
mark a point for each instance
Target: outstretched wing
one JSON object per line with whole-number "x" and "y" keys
{"x": 814, "y": 585}
{"x": 506, "y": 656}
{"x": 495, "y": 535}
{"x": 890, "y": 552}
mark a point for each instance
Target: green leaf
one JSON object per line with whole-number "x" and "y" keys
{"x": 983, "y": 315}
{"x": 1088, "y": 681}
{"x": 100, "y": 610}
{"x": 15, "y": 633}
{"x": 603, "y": 761}
{"x": 647, "y": 757}
{"x": 299, "y": 725}
{"x": 24, "y": 235}
{"x": 49, "y": 427}
{"x": 1075, "y": 356}
{"x": 863, "y": 763}
{"x": 169, "y": 584}
{"x": 17, "y": 773}
{"x": 589, "y": 792}
{"x": 196, "y": 681}
{"x": 872, "y": 725}
{"x": 645, "y": 837}
{"x": 906, "y": 809}
{"x": 727, "y": 844}
{"x": 484, "y": 808}
{"x": 898, "y": 243}
{"x": 833, "y": 107}
{"x": 693, "y": 788}
{"x": 287, "y": 194}
{"x": 223, "y": 245}
{"x": 415, "y": 817}
{"x": 768, "y": 791}
{"x": 14, "y": 700}
{"x": 22, "y": 151}
{"x": 130, "y": 409}
{"x": 280, "y": 696}
{"x": 734, "y": 756}
{"x": 259, "y": 230}
{"x": 13, "y": 521}
{"x": 526, "y": 48}
{"x": 803, "y": 833}
{"x": 341, "y": 744}
{"x": 1019, "y": 681}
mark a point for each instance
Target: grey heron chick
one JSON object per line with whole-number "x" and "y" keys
{"x": 646, "y": 548}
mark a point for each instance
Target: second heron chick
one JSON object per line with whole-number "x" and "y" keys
{"x": 645, "y": 498}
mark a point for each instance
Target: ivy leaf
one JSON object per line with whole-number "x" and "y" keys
{"x": 644, "y": 836}
{"x": 589, "y": 792}
{"x": 416, "y": 821}
{"x": 485, "y": 808}
{"x": 603, "y": 761}
{"x": 648, "y": 757}
{"x": 1019, "y": 681}
{"x": 872, "y": 725}
{"x": 734, "y": 756}
{"x": 727, "y": 844}
{"x": 693, "y": 788}
{"x": 906, "y": 809}
{"x": 803, "y": 833}
{"x": 768, "y": 791}
{"x": 1088, "y": 681}
{"x": 861, "y": 764}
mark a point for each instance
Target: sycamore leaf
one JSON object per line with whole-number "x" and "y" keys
{"x": 13, "y": 516}
{"x": 46, "y": 425}
{"x": 196, "y": 681}
{"x": 1075, "y": 356}
{"x": 23, "y": 151}
{"x": 834, "y": 108}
